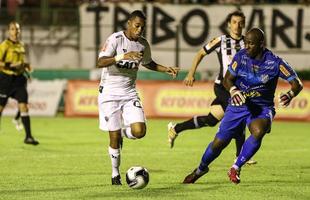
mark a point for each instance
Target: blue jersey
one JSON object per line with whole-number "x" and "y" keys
{"x": 257, "y": 79}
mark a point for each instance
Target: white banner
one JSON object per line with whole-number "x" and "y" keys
{"x": 44, "y": 98}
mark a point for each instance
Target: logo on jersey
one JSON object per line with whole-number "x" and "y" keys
{"x": 124, "y": 64}
{"x": 137, "y": 104}
{"x": 251, "y": 94}
{"x": 234, "y": 65}
{"x": 264, "y": 78}
{"x": 284, "y": 71}
{"x": 124, "y": 50}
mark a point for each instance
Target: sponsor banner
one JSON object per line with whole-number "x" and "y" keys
{"x": 173, "y": 99}
{"x": 81, "y": 98}
{"x": 44, "y": 98}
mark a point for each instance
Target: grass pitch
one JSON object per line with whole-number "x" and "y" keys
{"x": 72, "y": 163}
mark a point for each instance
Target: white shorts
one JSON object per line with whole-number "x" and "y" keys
{"x": 114, "y": 115}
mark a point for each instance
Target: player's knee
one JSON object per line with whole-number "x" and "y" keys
{"x": 258, "y": 132}
{"x": 208, "y": 120}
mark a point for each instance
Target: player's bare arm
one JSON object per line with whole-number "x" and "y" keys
{"x": 190, "y": 77}
{"x": 172, "y": 71}
{"x": 107, "y": 61}
{"x": 286, "y": 98}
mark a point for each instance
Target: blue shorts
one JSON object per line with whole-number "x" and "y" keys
{"x": 237, "y": 117}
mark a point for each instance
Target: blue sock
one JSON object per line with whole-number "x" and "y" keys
{"x": 249, "y": 148}
{"x": 208, "y": 157}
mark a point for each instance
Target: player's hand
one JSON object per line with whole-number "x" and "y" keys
{"x": 172, "y": 71}
{"x": 133, "y": 55}
{"x": 189, "y": 80}
{"x": 237, "y": 98}
{"x": 285, "y": 98}
{"x": 18, "y": 66}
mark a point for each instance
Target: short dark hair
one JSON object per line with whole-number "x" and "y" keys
{"x": 137, "y": 13}
{"x": 238, "y": 13}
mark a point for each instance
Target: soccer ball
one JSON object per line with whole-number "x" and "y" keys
{"x": 137, "y": 177}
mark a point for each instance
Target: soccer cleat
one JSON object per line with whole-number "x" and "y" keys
{"x": 193, "y": 177}
{"x": 116, "y": 180}
{"x": 31, "y": 140}
{"x": 18, "y": 125}
{"x": 249, "y": 162}
{"x": 172, "y": 135}
{"x": 233, "y": 175}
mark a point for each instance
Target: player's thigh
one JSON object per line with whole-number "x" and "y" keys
{"x": 21, "y": 95}
{"x": 110, "y": 117}
{"x": 133, "y": 113}
{"x": 217, "y": 111}
{"x": 232, "y": 124}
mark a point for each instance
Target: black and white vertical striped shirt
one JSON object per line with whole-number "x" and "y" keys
{"x": 226, "y": 47}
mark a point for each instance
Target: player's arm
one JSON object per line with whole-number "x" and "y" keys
{"x": 172, "y": 71}
{"x": 287, "y": 73}
{"x": 237, "y": 98}
{"x": 190, "y": 77}
{"x": 286, "y": 98}
{"x": 105, "y": 61}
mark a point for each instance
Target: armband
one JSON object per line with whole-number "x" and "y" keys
{"x": 119, "y": 57}
{"x": 291, "y": 93}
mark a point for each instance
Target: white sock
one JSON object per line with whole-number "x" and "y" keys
{"x": 126, "y": 132}
{"x": 235, "y": 167}
{"x": 115, "y": 155}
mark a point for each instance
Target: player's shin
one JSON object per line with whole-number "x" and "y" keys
{"x": 115, "y": 155}
{"x": 248, "y": 150}
{"x": 209, "y": 155}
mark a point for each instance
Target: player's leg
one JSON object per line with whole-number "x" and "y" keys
{"x": 134, "y": 120}
{"x": 258, "y": 127}
{"x": 240, "y": 139}
{"x": 110, "y": 119}
{"x": 228, "y": 127}
{"x": 115, "y": 156}
{"x": 216, "y": 114}
{"x": 17, "y": 121}
{"x": 25, "y": 118}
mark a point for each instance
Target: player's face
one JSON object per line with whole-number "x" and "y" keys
{"x": 14, "y": 31}
{"x": 236, "y": 25}
{"x": 135, "y": 27}
{"x": 252, "y": 45}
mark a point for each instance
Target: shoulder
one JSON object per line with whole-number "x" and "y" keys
{"x": 116, "y": 35}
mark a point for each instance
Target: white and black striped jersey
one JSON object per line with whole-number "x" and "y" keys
{"x": 226, "y": 47}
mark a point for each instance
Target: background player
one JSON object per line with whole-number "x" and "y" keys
{"x": 226, "y": 46}
{"x": 252, "y": 80}
{"x": 12, "y": 81}
{"x": 118, "y": 99}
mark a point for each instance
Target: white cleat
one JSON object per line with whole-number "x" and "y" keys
{"x": 249, "y": 162}
{"x": 18, "y": 125}
{"x": 172, "y": 135}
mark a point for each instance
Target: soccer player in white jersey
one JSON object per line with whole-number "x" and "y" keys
{"x": 226, "y": 46}
{"x": 120, "y": 109}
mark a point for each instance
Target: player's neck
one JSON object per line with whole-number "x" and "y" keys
{"x": 126, "y": 33}
{"x": 235, "y": 36}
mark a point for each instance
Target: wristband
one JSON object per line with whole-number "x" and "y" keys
{"x": 291, "y": 93}
{"x": 119, "y": 57}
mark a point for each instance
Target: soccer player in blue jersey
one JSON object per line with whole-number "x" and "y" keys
{"x": 251, "y": 80}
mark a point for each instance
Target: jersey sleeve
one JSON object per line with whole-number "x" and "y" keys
{"x": 214, "y": 44}
{"x": 147, "y": 56}
{"x": 286, "y": 71}
{"x": 3, "y": 49}
{"x": 234, "y": 65}
{"x": 109, "y": 47}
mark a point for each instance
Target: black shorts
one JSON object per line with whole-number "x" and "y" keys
{"x": 222, "y": 96}
{"x": 13, "y": 86}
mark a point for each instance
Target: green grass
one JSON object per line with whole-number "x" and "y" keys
{"x": 72, "y": 163}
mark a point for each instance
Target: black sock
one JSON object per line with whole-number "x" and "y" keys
{"x": 26, "y": 123}
{"x": 196, "y": 122}
{"x": 189, "y": 124}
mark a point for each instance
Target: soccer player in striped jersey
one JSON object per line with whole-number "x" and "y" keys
{"x": 252, "y": 79}
{"x": 226, "y": 46}
{"x": 120, "y": 109}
